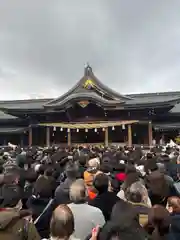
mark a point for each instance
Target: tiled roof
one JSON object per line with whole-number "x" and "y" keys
{"x": 24, "y": 104}
{"x": 85, "y": 95}
{"x": 176, "y": 109}
{"x": 166, "y": 126}
{"x": 5, "y": 116}
{"x": 152, "y": 99}
{"x": 154, "y": 94}
{"x": 12, "y": 130}
{"x": 141, "y": 98}
{"x": 155, "y": 97}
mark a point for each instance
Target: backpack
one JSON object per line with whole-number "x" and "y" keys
{"x": 17, "y": 230}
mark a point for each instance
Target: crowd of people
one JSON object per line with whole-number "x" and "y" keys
{"x": 90, "y": 192}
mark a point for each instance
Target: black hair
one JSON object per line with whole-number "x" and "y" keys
{"x": 71, "y": 170}
{"x": 115, "y": 231}
{"x": 101, "y": 182}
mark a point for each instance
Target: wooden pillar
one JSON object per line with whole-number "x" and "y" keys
{"x": 129, "y": 135}
{"x": 22, "y": 140}
{"x": 150, "y": 133}
{"x": 106, "y": 140}
{"x": 30, "y": 136}
{"x": 48, "y": 136}
{"x": 69, "y": 137}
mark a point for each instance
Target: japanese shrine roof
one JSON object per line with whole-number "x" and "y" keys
{"x": 5, "y": 116}
{"x": 141, "y": 98}
{"x": 166, "y": 126}
{"x": 90, "y": 88}
{"x": 12, "y": 130}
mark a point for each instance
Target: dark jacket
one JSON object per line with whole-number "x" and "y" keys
{"x": 44, "y": 186}
{"x": 43, "y": 223}
{"x": 105, "y": 202}
{"x": 37, "y": 205}
{"x": 142, "y": 211}
{"x": 175, "y": 227}
{"x": 62, "y": 192}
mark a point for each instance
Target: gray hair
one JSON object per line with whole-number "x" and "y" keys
{"x": 138, "y": 191}
{"x": 78, "y": 191}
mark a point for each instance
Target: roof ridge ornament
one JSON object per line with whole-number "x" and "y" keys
{"x": 87, "y": 70}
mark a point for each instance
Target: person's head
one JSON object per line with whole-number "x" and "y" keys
{"x": 41, "y": 170}
{"x": 62, "y": 223}
{"x": 130, "y": 179}
{"x": 115, "y": 231}
{"x": 130, "y": 169}
{"x": 106, "y": 168}
{"x": 94, "y": 163}
{"x": 115, "y": 185}
{"x": 101, "y": 182}
{"x": 173, "y": 205}
{"x": 137, "y": 193}
{"x": 71, "y": 170}
{"x": 150, "y": 166}
{"x": 78, "y": 192}
{"x": 48, "y": 172}
{"x": 124, "y": 213}
{"x": 159, "y": 218}
{"x": 82, "y": 159}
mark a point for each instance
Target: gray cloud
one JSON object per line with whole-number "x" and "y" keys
{"x": 133, "y": 46}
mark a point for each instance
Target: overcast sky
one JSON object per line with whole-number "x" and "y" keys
{"x": 132, "y": 45}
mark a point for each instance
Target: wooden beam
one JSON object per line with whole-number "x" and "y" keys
{"x": 150, "y": 133}
{"x": 129, "y": 135}
{"x": 30, "y": 136}
{"x": 106, "y": 140}
{"x": 89, "y": 125}
{"x": 48, "y": 136}
{"x": 69, "y": 137}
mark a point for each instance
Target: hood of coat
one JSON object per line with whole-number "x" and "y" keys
{"x": 7, "y": 215}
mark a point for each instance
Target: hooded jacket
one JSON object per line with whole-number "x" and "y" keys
{"x": 12, "y": 222}
{"x": 62, "y": 192}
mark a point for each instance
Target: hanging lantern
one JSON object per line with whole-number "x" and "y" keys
{"x": 86, "y": 130}
{"x": 77, "y": 130}
{"x": 54, "y": 129}
{"x": 103, "y": 129}
{"x": 61, "y": 129}
{"x": 123, "y": 127}
{"x": 95, "y": 129}
{"x": 68, "y": 130}
{"x": 113, "y": 128}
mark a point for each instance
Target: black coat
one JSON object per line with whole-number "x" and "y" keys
{"x": 37, "y": 205}
{"x": 175, "y": 227}
{"x": 105, "y": 202}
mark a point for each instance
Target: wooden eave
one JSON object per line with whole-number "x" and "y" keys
{"x": 89, "y": 125}
{"x": 152, "y": 104}
{"x": 85, "y": 97}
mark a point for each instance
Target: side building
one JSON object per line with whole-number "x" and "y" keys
{"x": 91, "y": 112}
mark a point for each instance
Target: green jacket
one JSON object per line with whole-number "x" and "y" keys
{"x": 14, "y": 227}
